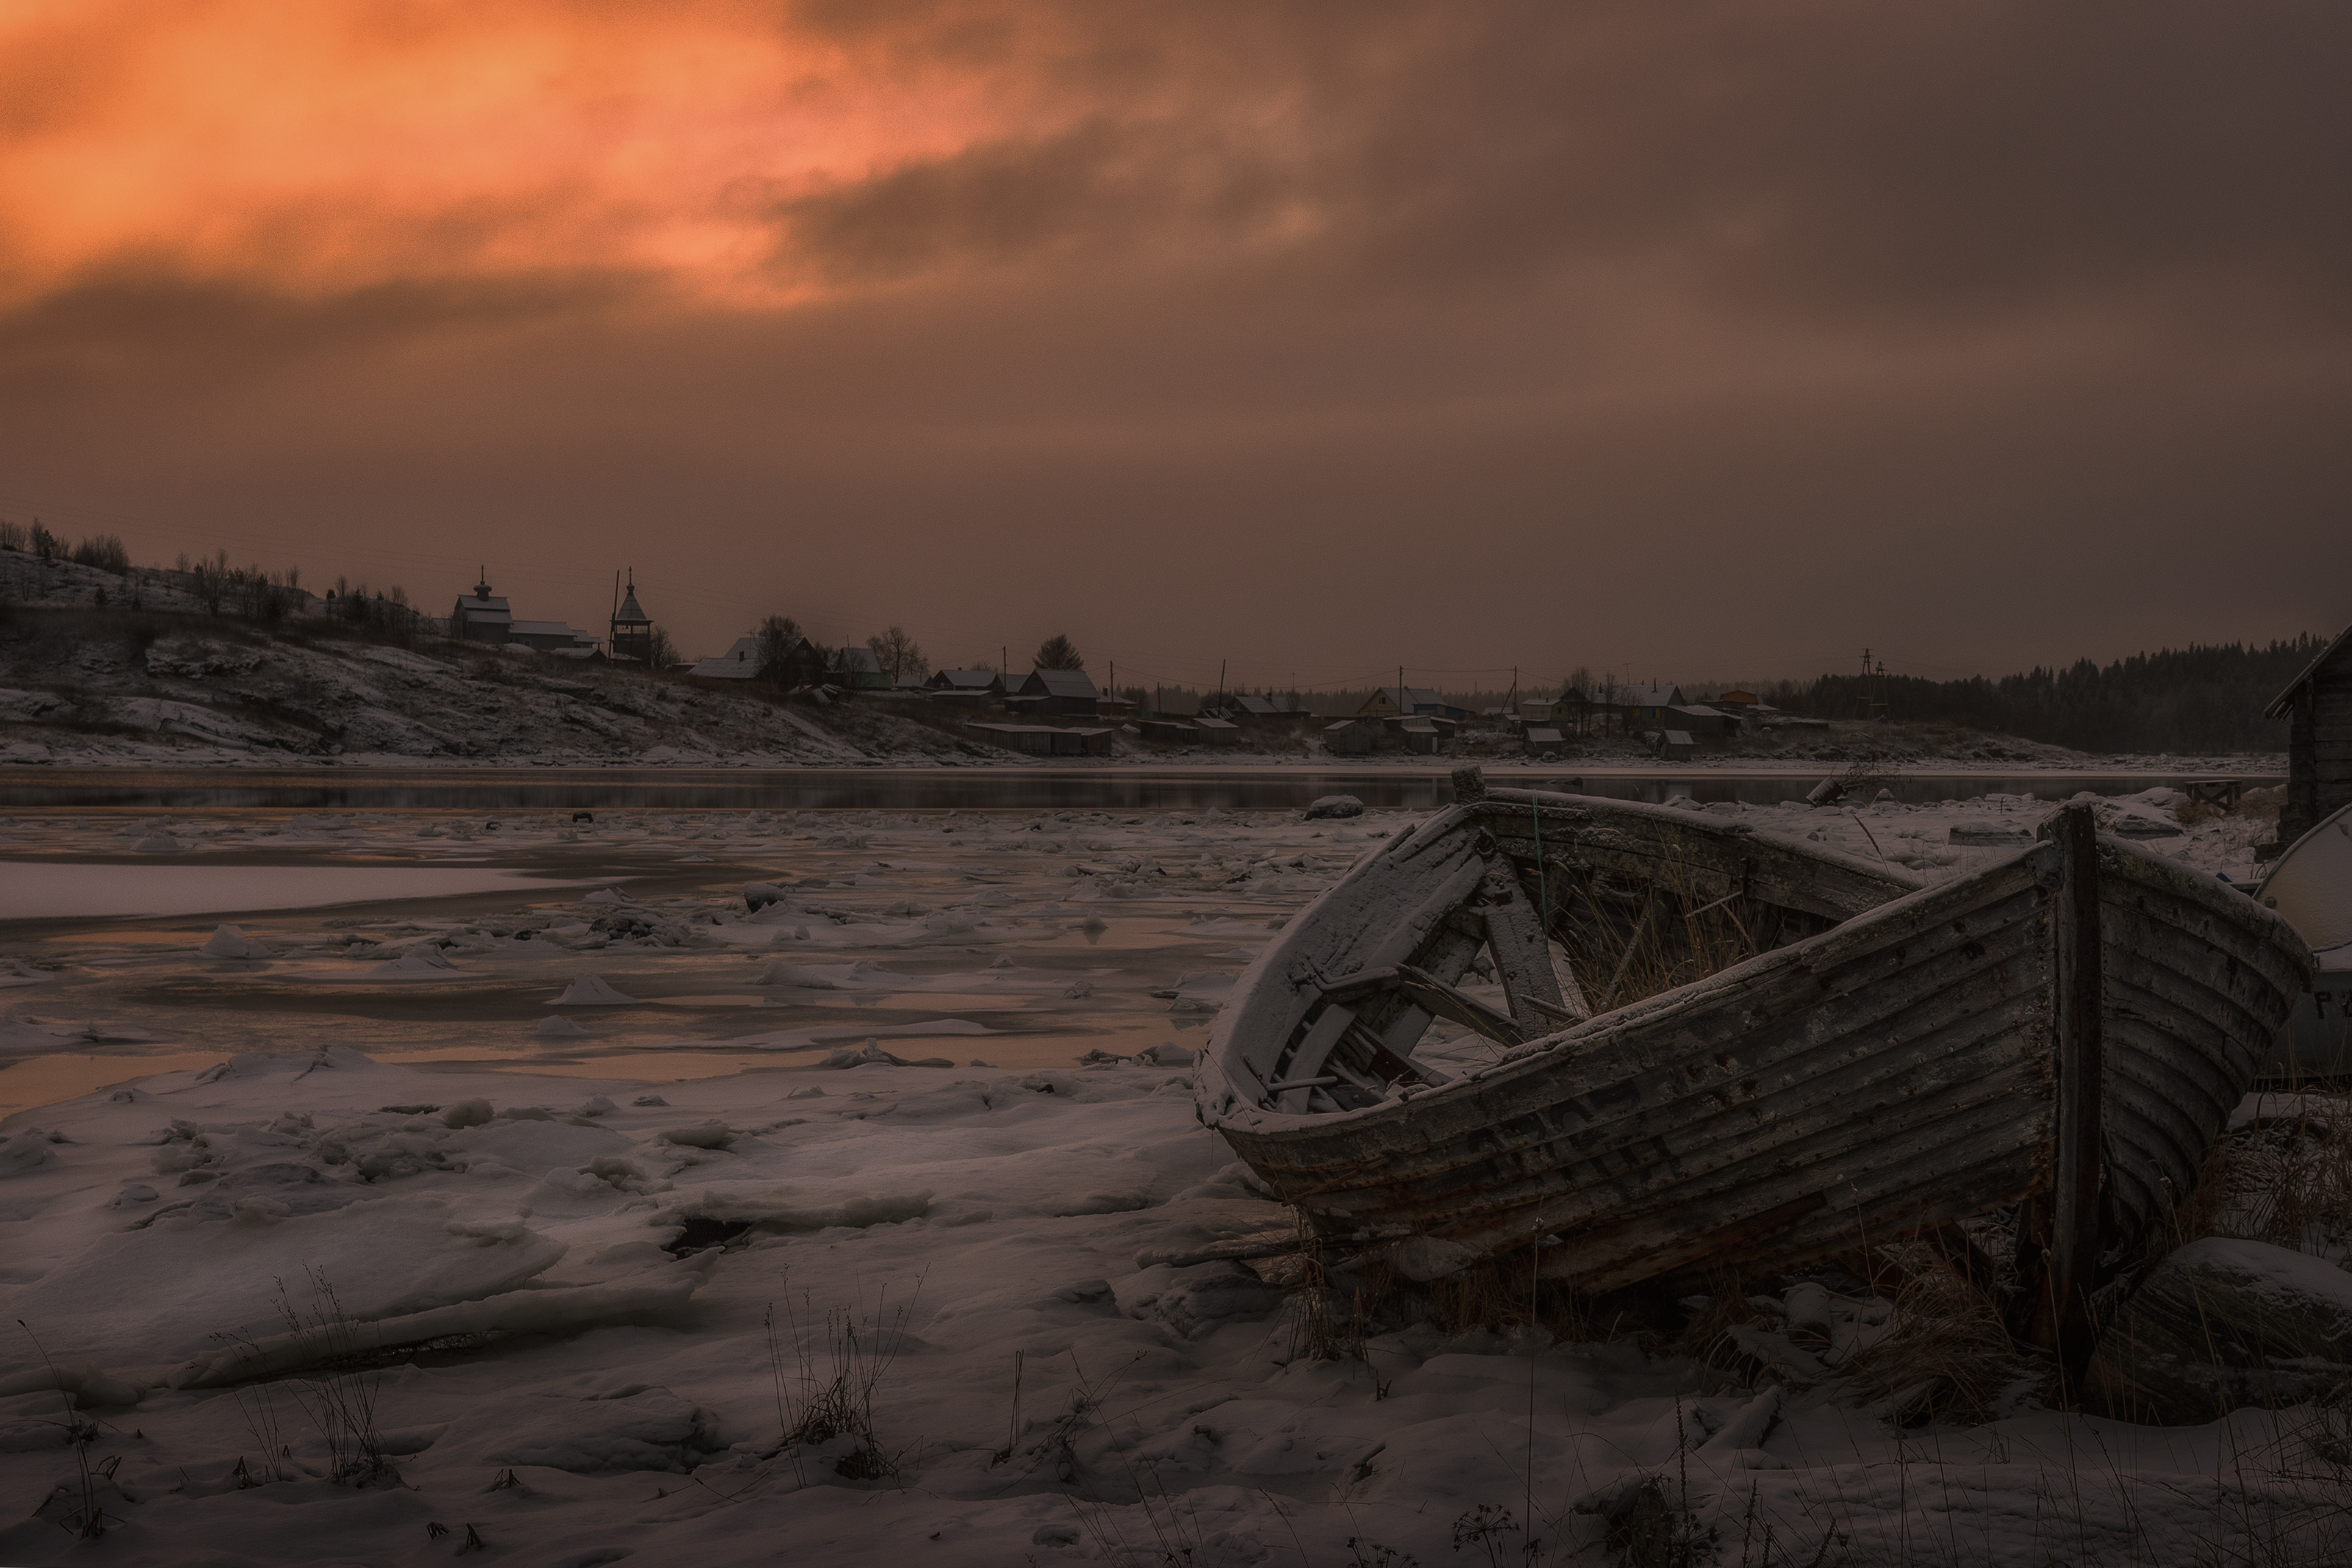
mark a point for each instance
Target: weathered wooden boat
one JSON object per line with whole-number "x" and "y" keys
{"x": 1830, "y": 1053}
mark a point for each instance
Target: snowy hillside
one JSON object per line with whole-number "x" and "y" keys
{"x": 96, "y": 687}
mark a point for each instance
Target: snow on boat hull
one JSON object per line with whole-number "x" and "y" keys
{"x": 1900, "y": 1065}
{"x": 2310, "y": 887}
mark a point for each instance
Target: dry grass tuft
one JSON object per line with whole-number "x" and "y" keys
{"x": 1947, "y": 1355}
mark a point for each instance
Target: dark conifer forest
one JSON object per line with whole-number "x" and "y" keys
{"x": 2193, "y": 699}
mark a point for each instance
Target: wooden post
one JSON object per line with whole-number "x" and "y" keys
{"x": 1469, "y": 784}
{"x": 2078, "y": 998}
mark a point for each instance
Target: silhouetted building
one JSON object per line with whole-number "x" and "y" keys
{"x": 2318, "y": 706}
{"x": 633, "y": 630}
{"x": 480, "y": 616}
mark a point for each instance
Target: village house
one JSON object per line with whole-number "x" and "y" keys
{"x": 747, "y": 660}
{"x": 1644, "y": 707}
{"x": 857, "y": 669}
{"x": 2318, "y": 706}
{"x": 742, "y": 661}
{"x": 1351, "y": 737}
{"x": 1065, "y": 694}
{"x": 555, "y": 637}
{"x": 1703, "y": 722}
{"x": 973, "y": 683}
{"x": 1400, "y": 702}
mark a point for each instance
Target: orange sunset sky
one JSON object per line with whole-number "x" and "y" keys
{"x": 1703, "y": 340}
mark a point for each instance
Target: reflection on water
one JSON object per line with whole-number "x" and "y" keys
{"x": 46, "y": 1080}
{"x": 921, "y": 788}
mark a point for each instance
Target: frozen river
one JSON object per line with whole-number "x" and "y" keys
{"x": 1409, "y": 786}
{"x": 592, "y": 1167}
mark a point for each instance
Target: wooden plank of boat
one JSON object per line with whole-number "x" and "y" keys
{"x": 1900, "y": 1069}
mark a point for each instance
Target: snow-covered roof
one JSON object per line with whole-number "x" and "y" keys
{"x": 854, "y": 660}
{"x": 1063, "y": 683}
{"x": 965, "y": 680}
{"x": 742, "y": 661}
{"x": 1655, "y": 694}
{"x": 629, "y": 612}
{"x": 1540, "y": 735}
{"x": 2279, "y": 705}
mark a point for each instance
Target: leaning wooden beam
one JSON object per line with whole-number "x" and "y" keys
{"x": 2078, "y": 999}
{"x": 1515, "y": 935}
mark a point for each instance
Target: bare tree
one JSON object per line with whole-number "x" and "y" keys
{"x": 899, "y": 654}
{"x": 662, "y": 651}
{"x": 778, "y": 634}
{"x": 1058, "y": 652}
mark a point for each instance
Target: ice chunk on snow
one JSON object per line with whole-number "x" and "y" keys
{"x": 640, "y": 1428}
{"x": 394, "y": 1255}
{"x": 24, "y": 1151}
{"x": 556, "y": 1026}
{"x": 230, "y": 942}
{"x": 422, "y": 962}
{"x": 591, "y": 991}
{"x": 513, "y": 1312}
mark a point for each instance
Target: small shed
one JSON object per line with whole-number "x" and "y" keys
{"x": 1214, "y": 728}
{"x": 1543, "y": 740}
{"x": 1421, "y": 736}
{"x": 984, "y": 682}
{"x": 1170, "y": 732}
{"x": 1351, "y": 737}
{"x": 1699, "y": 719}
{"x": 1045, "y": 739}
{"x": 1676, "y": 746}
{"x": 2318, "y": 706}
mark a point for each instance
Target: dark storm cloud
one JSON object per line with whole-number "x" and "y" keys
{"x": 1843, "y": 161}
{"x": 1322, "y": 337}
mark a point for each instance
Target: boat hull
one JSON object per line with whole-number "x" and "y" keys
{"x": 1891, "y": 1073}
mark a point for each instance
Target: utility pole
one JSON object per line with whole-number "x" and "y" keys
{"x": 1221, "y": 683}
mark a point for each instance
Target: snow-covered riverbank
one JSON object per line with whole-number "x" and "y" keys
{"x": 604, "y": 1173}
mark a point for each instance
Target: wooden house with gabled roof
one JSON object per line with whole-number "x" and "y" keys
{"x": 2318, "y": 706}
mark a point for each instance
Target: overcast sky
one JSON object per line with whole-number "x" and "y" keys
{"x": 1689, "y": 341}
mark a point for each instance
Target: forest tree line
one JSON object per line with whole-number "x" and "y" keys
{"x": 2197, "y": 699}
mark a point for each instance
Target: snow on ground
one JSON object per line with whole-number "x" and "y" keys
{"x": 264, "y": 1190}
